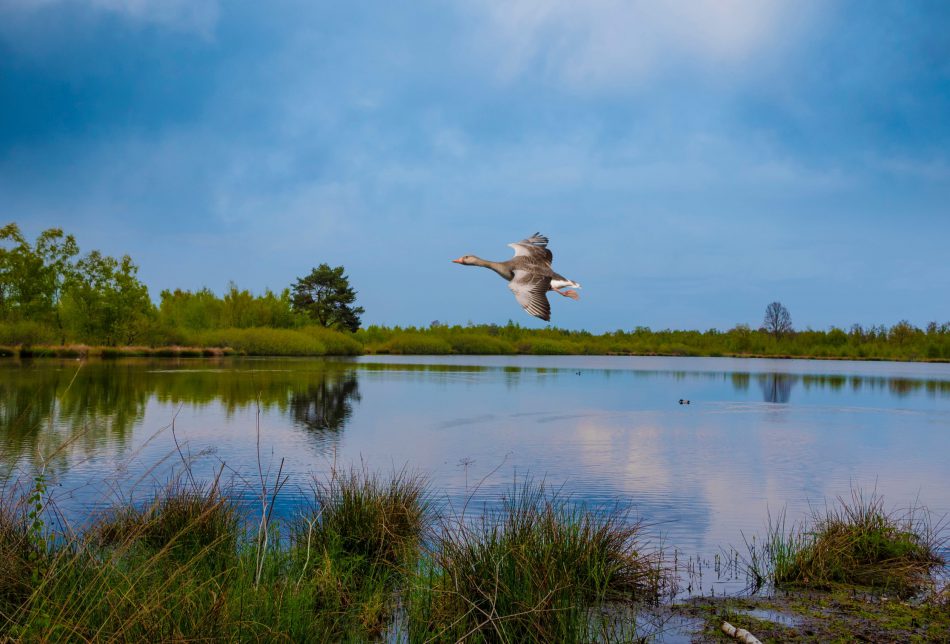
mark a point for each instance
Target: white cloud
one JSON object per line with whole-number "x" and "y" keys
{"x": 601, "y": 43}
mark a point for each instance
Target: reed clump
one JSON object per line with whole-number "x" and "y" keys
{"x": 858, "y": 542}
{"x": 378, "y": 521}
{"x": 185, "y": 521}
{"x": 355, "y": 546}
{"x": 536, "y": 570}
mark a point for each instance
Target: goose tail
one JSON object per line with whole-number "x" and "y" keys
{"x": 564, "y": 283}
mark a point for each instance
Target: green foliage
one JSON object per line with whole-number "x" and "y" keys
{"x": 241, "y": 309}
{"x": 26, "y": 332}
{"x": 548, "y": 347}
{"x": 32, "y": 278}
{"x": 325, "y": 297}
{"x": 105, "y": 302}
{"x": 192, "y": 311}
{"x": 306, "y": 341}
{"x": 203, "y": 310}
{"x": 95, "y": 299}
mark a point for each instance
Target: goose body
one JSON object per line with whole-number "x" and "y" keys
{"x": 529, "y": 275}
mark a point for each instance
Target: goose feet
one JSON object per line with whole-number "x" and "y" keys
{"x": 568, "y": 293}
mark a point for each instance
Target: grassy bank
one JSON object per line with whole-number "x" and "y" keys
{"x": 900, "y": 342}
{"x": 255, "y": 341}
{"x": 85, "y": 351}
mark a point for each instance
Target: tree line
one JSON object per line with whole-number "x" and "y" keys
{"x": 51, "y": 294}
{"x": 902, "y": 341}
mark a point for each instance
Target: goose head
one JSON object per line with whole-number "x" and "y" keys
{"x": 465, "y": 259}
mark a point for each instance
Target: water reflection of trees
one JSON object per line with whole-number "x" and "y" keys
{"x": 326, "y": 405}
{"x": 48, "y": 403}
{"x": 43, "y": 407}
{"x": 740, "y": 381}
{"x": 777, "y": 387}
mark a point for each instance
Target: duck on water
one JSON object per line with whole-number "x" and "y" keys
{"x": 529, "y": 275}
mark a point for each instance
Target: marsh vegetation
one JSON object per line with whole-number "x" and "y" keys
{"x": 375, "y": 557}
{"x": 372, "y": 555}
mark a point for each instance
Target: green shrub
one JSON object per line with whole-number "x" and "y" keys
{"x": 337, "y": 343}
{"x": 544, "y": 347}
{"x": 418, "y": 344}
{"x": 677, "y": 349}
{"x": 259, "y": 341}
{"x": 27, "y": 333}
{"x": 479, "y": 344}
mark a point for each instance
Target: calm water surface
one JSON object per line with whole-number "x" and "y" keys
{"x": 757, "y": 436}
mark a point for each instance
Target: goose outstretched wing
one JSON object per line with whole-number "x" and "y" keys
{"x": 534, "y": 247}
{"x": 531, "y": 291}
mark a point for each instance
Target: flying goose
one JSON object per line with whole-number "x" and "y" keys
{"x": 529, "y": 275}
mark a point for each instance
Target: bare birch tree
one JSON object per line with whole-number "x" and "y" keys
{"x": 777, "y": 321}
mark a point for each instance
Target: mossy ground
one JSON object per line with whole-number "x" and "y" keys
{"x": 846, "y": 614}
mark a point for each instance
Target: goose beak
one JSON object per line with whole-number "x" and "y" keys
{"x": 457, "y": 261}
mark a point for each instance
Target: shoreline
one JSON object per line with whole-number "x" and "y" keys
{"x": 177, "y": 351}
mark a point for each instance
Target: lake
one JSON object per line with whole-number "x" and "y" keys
{"x": 757, "y": 435}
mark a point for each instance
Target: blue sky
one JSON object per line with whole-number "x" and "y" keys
{"x": 690, "y": 162}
